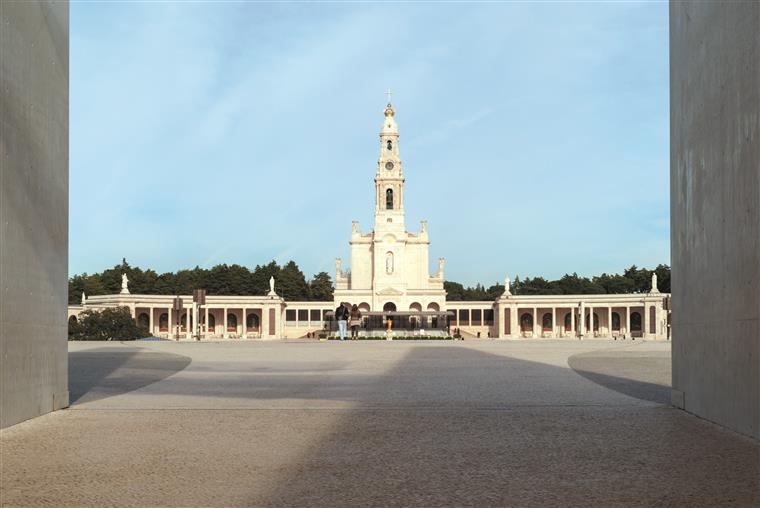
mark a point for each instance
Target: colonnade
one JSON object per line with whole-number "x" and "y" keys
{"x": 234, "y": 321}
{"x": 642, "y": 319}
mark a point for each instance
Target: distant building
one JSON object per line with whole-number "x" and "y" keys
{"x": 389, "y": 277}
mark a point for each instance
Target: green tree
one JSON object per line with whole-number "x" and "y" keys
{"x": 109, "y": 324}
{"x": 663, "y": 278}
{"x": 292, "y": 283}
{"x": 321, "y": 287}
{"x": 454, "y": 290}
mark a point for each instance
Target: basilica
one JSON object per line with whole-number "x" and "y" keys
{"x": 389, "y": 279}
{"x": 390, "y": 265}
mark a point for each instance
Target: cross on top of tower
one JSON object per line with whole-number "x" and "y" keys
{"x": 388, "y": 93}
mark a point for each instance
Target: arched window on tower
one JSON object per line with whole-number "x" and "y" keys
{"x": 389, "y": 145}
{"x": 389, "y": 199}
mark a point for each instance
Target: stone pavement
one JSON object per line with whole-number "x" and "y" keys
{"x": 518, "y": 423}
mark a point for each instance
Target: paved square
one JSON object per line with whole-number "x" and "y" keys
{"x": 489, "y": 423}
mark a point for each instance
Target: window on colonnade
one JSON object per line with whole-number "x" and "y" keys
{"x": 163, "y": 322}
{"x": 526, "y": 322}
{"x": 615, "y": 322}
{"x": 143, "y": 320}
{"x": 476, "y": 317}
{"x": 635, "y": 322}
{"x": 252, "y": 322}
{"x": 488, "y": 317}
{"x": 231, "y": 322}
{"x": 211, "y": 325}
{"x": 546, "y": 322}
{"x": 568, "y": 322}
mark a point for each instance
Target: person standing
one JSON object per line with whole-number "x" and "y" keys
{"x": 355, "y": 321}
{"x": 341, "y": 315}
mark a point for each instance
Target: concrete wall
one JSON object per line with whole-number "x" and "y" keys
{"x": 715, "y": 210}
{"x": 34, "y": 179}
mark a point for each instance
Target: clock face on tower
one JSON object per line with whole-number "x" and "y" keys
{"x": 388, "y": 166}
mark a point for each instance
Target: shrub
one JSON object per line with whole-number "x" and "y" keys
{"x": 114, "y": 323}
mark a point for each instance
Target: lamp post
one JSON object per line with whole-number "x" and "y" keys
{"x": 199, "y": 301}
{"x": 177, "y": 307}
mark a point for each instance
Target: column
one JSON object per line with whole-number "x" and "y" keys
{"x": 591, "y": 321}
{"x": 514, "y": 324}
{"x": 609, "y": 321}
{"x": 535, "y": 321}
{"x": 150, "y": 322}
{"x": 190, "y": 320}
{"x": 582, "y": 321}
{"x": 572, "y": 320}
{"x": 645, "y": 331}
{"x": 554, "y": 321}
{"x": 628, "y": 320}
{"x": 208, "y": 332}
{"x": 264, "y": 321}
{"x": 658, "y": 320}
{"x": 169, "y": 324}
{"x": 245, "y": 323}
{"x": 224, "y": 324}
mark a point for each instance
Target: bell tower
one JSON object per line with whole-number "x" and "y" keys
{"x": 390, "y": 265}
{"x": 389, "y": 177}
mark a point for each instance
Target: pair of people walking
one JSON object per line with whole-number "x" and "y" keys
{"x": 352, "y": 318}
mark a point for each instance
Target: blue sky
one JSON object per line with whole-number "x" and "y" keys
{"x": 534, "y": 136}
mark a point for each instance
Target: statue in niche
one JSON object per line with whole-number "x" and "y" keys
{"x": 389, "y": 263}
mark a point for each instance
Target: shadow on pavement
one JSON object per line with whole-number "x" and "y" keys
{"x": 644, "y": 375}
{"x": 104, "y": 372}
{"x": 545, "y": 455}
{"x": 441, "y": 426}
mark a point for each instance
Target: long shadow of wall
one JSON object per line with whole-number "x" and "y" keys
{"x": 472, "y": 450}
{"x": 104, "y": 372}
{"x": 641, "y": 374}
{"x": 428, "y": 377}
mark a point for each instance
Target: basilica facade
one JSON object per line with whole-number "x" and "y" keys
{"x": 389, "y": 274}
{"x": 389, "y": 268}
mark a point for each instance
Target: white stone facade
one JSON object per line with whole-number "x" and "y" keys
{"x": 389, "y": 265}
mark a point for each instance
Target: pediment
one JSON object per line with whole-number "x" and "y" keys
{"x": 389, "y": 292}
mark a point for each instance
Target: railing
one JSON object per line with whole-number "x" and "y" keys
{"x": 374, "y": 322}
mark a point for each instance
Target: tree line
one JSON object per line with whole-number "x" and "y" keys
{"x": 223, "y": 279}
{"x": 291, "y": 283}
{"x": 632, "y": 280}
